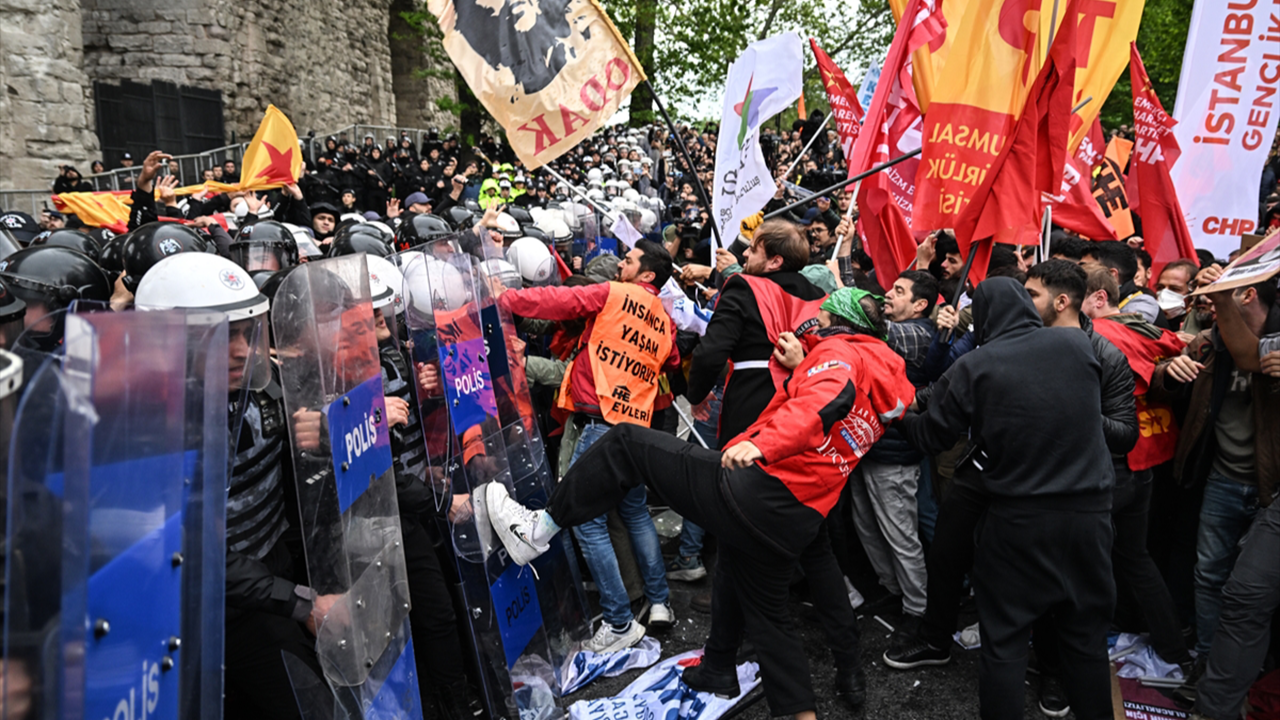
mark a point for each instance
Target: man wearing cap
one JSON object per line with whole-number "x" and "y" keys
{"x": 765, "y": 496}
{"x": 418, "y": 202}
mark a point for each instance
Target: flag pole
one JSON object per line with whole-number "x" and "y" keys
{"x": 835, "y": 253}
{"x": 964, "y": 277}
{"x": 684, "y": 153}
{"x": 1046, "y": 223}
{"x": 582, "y": 195}
{"x": 808, "y": 145}
{"x": 844, "y": 183}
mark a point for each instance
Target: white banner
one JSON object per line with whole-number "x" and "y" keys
{"x": 1227, "y": 109}
{"x": 761, "y": 84}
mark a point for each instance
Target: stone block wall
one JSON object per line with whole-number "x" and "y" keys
{"x": 45, "y": 96}
{"x": 325, "y": 63}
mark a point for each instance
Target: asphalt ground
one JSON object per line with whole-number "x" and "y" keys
{"x": 935, "y": 693}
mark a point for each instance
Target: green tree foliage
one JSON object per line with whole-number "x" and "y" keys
{"x": 696, "y": 40}
{"x": 1162, "y": 39}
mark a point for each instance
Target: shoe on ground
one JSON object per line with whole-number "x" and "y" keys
{"x": 686, "y": 569}
{"x": 1053, "y": 701}
{"x": 914, "y": 654}
{"x": 851, "y": 687}
{"x": 701, "y": 602}
{"x": 906, "y": 633}
{"x": 513, "y": 523}
{"x": 659, "y": 617}
{"x": 705, "y": 679}
{"x": 607, "y": 640}
{"x": 1185, "y": 694}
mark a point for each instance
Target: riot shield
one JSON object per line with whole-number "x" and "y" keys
{"x": 114, "y": 545}
{"x": 322, "y": 320}
{"x": 524, "y": 625}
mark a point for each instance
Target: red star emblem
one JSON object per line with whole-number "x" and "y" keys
{"x": 281, "y": 166}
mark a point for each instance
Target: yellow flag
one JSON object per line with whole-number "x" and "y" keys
{"x": 273, "y": 157}
{"x": 1102, "y": 52}
{"x": 992, "y": 63}
{"x": 97, "y": 209}
{"x": 930, "y": 47}
{"x": 550, "y": 72}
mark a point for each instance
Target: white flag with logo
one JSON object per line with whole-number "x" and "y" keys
{"x": 763, "y": 82}
{"x": 1227, "y": 109}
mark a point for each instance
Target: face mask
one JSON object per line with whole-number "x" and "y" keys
{"x": 1169, "y": 300}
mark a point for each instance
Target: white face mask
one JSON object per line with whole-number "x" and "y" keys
{"x": 1169, "y": 300}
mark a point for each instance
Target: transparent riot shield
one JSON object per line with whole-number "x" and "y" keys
{"x": 114, "y": 547}
{"x": 524, "y": 624}
{"x": 322, "y": 320}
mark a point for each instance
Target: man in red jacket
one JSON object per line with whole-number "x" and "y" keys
{"x": 774, "y": 485}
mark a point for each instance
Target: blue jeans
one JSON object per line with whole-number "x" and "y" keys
{"x": 593, "y": 537}
{"x": 691, "y": 539}
{"x": 1227, "y": 512}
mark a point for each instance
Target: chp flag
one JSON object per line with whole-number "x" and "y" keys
{"x": 551, "y": 72}
{"x": 1227, "y": 109}
{"x": 763, "y": 82}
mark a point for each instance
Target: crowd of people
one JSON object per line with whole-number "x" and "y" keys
{"x": 1082, "y": 445}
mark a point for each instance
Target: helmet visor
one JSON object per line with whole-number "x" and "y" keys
{"x": 257, "y": 258}
{"x": 249, "y": 360}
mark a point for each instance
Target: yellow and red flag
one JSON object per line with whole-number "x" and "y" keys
{"x": 1006, "y": 205}
{"x": 273, "y": 157}
{"x": 97, "y": 209}
{"x": 930, "y": 42}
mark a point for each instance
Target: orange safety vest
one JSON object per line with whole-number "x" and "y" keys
{"x": 629, "y": 344}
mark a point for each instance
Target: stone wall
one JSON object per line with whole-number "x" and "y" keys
{"x": 325, "y": 63}
{"x": 415, "y": 89}
{"x": 46, "y": 103}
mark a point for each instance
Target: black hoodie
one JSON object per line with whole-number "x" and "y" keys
{"x": 1030, "y": 398}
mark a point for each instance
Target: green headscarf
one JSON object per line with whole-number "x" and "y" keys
{"x": 846, "y": 302}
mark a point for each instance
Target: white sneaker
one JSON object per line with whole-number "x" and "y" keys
{"x": 484, "y": 529}
{"x": 513, "y": 523}
{"x": 661, "y": 617}
{"x": 607, "y": 640}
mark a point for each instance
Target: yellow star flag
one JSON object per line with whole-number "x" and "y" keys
{"x": 272, "y": 158}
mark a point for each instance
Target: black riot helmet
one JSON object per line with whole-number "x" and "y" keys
{"x": 13, "y": 312}
{"x": 49, "y": 279}
{"x": 536, "y": 232}
{"x": 460, "y": 217}
{"x": 419, "y": 228}
{"x": 111, "y": 257}
{"x": 521, "y": 215}
{"x": 356, "y": 240}
{"x": 264, "y": 245}
{"x": 73, "y": 239}
{"x": 152, "y": 243}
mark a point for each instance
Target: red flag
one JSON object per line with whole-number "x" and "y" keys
{"x": 842, "y": 97}
{"x": 1006, "y": 206}
{"x": 1075, "y": 208}
{"x": 885, "y": 199}
{"x": 1150, "y": 190}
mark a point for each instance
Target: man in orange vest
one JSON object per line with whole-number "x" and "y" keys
{"x": 629, "y": 341}
{"x": 765, "y": 497}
